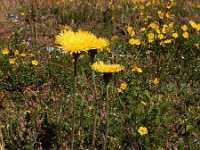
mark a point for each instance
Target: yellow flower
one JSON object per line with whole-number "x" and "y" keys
{"x": 198, "y": 27}
{"x": 23, "y": 54}
{"x": 123, "y": 86}
{"x": 184, "y": 27}
{"x": 136, "y": 69}
{"x": 167, "y": 41}
{"x": 193, "y": 24}
{"x": 185, "y": 35}
{"x": 142, "y": 131}
{"x": 160, "y": 14}
{"x": 154, "y": 26}
{"x": 151, "y": 37}
{"x": 165, "y": 28}
{"x": 148, "y": 52}
{"x": 171, "y": 24}
{"x": 161, "y": 36}
{"x": 131, "y": 31}
{"x": 34, "y": 62}
{"x": 100, "y": 44}
{"x": 5, "y": 51}
{"x": 175, "y": 35}
{"x": 12, "y": 61}
{"x": 107, "y": 68}
{"x": 156, "y": 80}
{"x": 133, "y": 41}
{"x": 76, "y": 42}
{"x": 22, "y": 14}
{"x": 16, "y": 52}
{"x": 143, "y": 29}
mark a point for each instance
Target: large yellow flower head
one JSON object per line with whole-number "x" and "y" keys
{"x": 101, "y": 43}
{"x": 107, "y": 68}
{"x": 76, "y": 42}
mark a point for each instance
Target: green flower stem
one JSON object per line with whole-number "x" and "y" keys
{"x": 95, "y": 110}
{"x": 92, "y": 56}
{"x": 108, "y": 113}
{"x": 74, "y": 99}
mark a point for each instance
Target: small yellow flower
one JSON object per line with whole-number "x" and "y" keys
{"x": 133, "y": 41}
{"x": 136, "y": 69}
{"x": 142, "y": 131}
{"x": 171, "y": 24}
{"x": 12, "y": 61}
{"x": 16, "y": 52}
{"x": 131, "y": 31}
{"x": 193, "y": 24}
{"x": 123, "y": 86}
{"x": 23, "y": 54}
{"x": 164, "y": 28}
{"x": 160, "y": 14}
{"x": 34, "y": 62}
{"x": 154, "y": 26}
{"x": 175, "y": 35}
{"x": 143, "y": 29}
{"x": 5, "y": 51}
{"x": 161, "y": 36}
{"x": 148, "y": 52}
{"x": 156, "y": 80}
{"x": 168, "y": 41}
{"x": 184, "y": 27}
{"x": 22, "y": 13}
{"x": 185, "y": 35}
{"x": 151, "y": 37}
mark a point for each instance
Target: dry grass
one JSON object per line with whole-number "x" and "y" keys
{"x": 8, "y": 6}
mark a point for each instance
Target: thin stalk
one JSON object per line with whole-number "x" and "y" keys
{"x": 108, "y": 121}
{"x": 2, "y": 145}
{"x": 92, "y": 56}
{"x": 95, "y": 111}
{"x": 74, "y": 100}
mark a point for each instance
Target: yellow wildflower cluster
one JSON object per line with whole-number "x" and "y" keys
{"x": 132, "y": 40}
{"x": 107, "y": 68}
{"x": 12, "y": 60}
{"x": 76, "y": 42}
{"x": 131, "y": 31}
{"x": 122, "y": 87}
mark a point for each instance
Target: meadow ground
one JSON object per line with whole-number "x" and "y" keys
{"x": 52, "y": 97}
